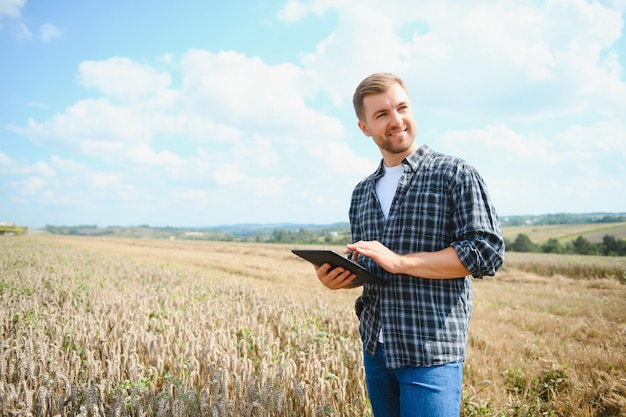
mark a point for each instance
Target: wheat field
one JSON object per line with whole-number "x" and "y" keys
{"x": 140, "y": 327}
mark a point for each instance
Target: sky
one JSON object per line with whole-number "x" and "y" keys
{"x": 203, "y": 113}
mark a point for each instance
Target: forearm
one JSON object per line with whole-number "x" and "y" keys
{"x": 443, "y": 264}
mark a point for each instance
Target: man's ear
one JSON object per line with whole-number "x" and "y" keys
{"x": 364, "y": 128}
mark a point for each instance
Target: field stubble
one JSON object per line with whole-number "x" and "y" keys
{"x": 146, "y": 327}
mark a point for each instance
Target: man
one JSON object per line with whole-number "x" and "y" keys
{"x": 425, "y": 222}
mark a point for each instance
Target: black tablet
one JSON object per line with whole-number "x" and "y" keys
{"x": 319, "y": 257}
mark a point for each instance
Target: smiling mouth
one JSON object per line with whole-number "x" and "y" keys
{"x": 397, "y": 132}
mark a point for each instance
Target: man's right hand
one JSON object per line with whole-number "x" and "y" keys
{"x": 336, "y": 278}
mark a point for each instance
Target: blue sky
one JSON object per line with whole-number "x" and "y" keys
{"x": 199, "y": 113}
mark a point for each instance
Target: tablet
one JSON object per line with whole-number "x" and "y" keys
{"x": 319, "y": 257}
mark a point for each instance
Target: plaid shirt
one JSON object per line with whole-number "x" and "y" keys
{"x": 440, "y": 201}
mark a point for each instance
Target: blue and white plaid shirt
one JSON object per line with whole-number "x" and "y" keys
{"x": 440, "y": 201}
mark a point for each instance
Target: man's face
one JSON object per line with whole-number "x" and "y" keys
{"x": 389, "y": 120}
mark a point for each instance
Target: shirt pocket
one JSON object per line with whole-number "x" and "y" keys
{"x": 421, "y": 222}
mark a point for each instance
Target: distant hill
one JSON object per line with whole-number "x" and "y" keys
{"x": 539, "y": 228}
{"x": 247, "y": 229}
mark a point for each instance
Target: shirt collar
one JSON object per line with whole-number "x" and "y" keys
{"x": 413, "y": 160}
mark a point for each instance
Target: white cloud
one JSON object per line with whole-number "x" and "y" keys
{"x": 122, "y": 77}
{"x": 67, "y": 165}
{"x": 220, "y": 93}
{"x": 32, "y": 186}
{"x": 338, "y": 159}
{"x": 106, "y": 180}
{"x": 269, "y": 187}
{"x": 293, "y": 11}
{"x": 11, "y": 9}
{"x": 94, "y": 127}
{"x": 529, "y": 173}
{"x": 4, "y": 160}
{"x": 247, "y": 123}
{"x": 207, "y": 133}
{"x": 480, "y": 57}
{"x": 49, "y": 32}
{"x": 203, "y": 129}
{"x": 43, "y": 169}
{"x": 228, "y": 174}
{"x": 618, "y": 4}
{"x": 237, "y": 90}
{"x": 11, "y": 167}
{"x": 191, "y": 195}
{"x": 145, "y": 155}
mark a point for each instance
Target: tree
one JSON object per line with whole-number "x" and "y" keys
{"x": 611, "y": 246}
{"x": 523, "y": 243}
{"x": 282, "y": 236}
{"x": 582, "y": 246}
{"x": 551, "y": 246}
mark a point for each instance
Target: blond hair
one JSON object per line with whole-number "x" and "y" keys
{"x": 376, "y": 83}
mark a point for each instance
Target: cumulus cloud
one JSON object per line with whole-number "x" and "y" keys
{"x": 12, "y": 166}
{"x": 237, "y": 89}
{"x": 531, "y": 171}
{"x": 122, "y": 77}
{"x": 241, "y": 127}
{"x": 94, "y": 127}
{"x": 295, "y": 10}
{"x": 221, "y": 130}
{"x": 478, "y": 57}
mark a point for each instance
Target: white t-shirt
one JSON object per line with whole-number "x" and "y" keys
{"x": 386, "y": 187}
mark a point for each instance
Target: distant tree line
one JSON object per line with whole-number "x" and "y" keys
{"x": 563, "y": 218}
{"x": 610, "y": 246}
{"x": 305, "y": 236}
{"x": 80, "y": 230}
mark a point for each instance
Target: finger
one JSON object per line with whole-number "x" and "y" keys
{"x": 343, "y": 279}
{"x": 335, "y": 278}
{"x": 326, "y": 275}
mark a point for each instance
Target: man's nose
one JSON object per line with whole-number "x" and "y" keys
{"x": 396, "y": 117}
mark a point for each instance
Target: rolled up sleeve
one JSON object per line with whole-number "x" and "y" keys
{"x": 482, "y": 256}
{"x": 478, "y": 238}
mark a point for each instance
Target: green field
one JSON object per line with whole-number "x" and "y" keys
{"x": 593, "y": 232}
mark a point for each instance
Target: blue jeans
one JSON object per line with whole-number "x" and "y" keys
{"x": 411, "y": 392}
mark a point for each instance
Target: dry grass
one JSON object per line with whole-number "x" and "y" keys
{"x": 166, "y": 328}
{"x": 582, "y": 267}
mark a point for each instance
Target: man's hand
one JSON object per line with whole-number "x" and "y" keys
{"x": 376, "y": 251}
{"x": 336, "y": 278}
